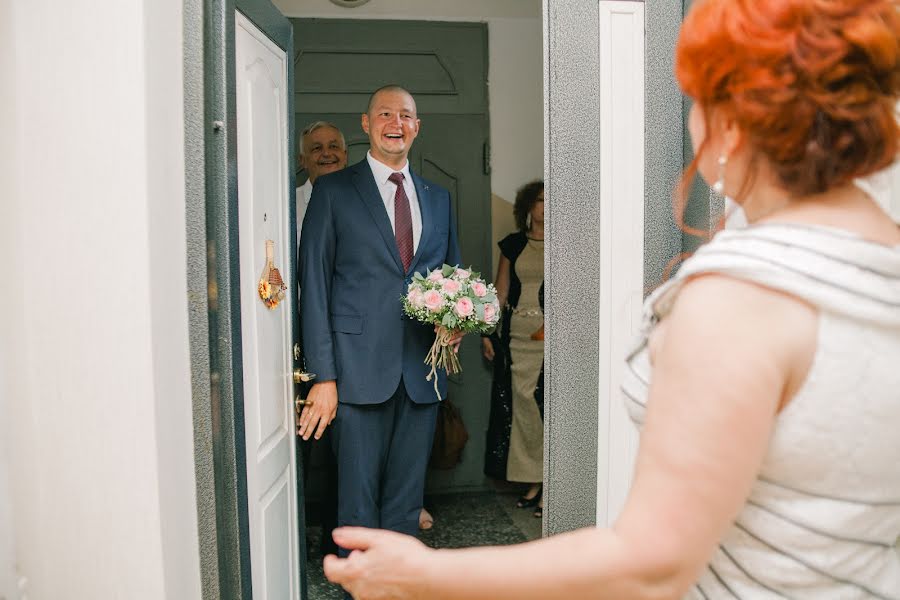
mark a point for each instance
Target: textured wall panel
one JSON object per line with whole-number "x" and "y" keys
{"x": 572, "y": 156}
{"x": 195, "y": 196}
{"x": 663, "y": 156}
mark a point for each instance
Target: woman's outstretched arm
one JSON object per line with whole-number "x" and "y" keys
{"x": 724, "y": 361}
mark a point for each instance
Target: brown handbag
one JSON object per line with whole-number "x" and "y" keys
{"x": 450, "y": 437}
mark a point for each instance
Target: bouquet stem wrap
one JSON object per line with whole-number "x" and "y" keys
{"x": 442, "y": 356}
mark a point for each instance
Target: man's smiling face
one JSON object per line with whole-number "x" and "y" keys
{"x": 323, "y": 152}
{"x": 392, "y": 126}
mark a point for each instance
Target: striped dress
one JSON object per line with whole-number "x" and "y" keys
{"x": 823, "y": 518}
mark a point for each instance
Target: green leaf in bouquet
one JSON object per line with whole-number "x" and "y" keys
{"x": 418, "y": 276}
{"x": 489, "y": 297}
{"x": 447, "y": 270}
{"x": 449, "y": 321}
{"x": 479, "y": 311}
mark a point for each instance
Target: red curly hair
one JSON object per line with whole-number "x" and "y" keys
{"x": 813, "y": 84}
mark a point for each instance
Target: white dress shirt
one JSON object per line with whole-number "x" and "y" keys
{"x": 304, "y": 192}
{"x": 387, "y": 188}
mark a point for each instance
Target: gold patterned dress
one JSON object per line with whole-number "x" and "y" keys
{"x": 526, "y": 443}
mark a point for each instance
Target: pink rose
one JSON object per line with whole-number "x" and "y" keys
{"x": 490, "y": 313}
{"x": 462, "y": 274}
{"x": 464, "y": 307}
{"x": 479, "y": 289}
{"x": 435, "y": 275}
{"x": 433, "y": 300}
{"x": 416, "y": 297}
{"x": 450, "y": 287}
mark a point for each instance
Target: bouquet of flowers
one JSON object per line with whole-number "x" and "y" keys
{"x": 454, "y": 300}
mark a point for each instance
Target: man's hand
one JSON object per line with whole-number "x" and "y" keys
{"x": 487, "y": 348}
{"x": 456, "y": 338}
{"x": 320, "y": 410}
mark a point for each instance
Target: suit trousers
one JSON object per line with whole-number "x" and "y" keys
{"x": 382, "y": 452}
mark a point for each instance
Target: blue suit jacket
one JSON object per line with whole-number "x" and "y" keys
{"x": 354, "y": 328}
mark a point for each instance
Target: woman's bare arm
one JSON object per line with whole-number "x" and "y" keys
{"x": 728, "y": 354}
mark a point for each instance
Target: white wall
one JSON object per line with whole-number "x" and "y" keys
{"x": 884, "y": 187}
{"x": 515, "y": 74}
{"x": 895, "y": 192}
{"x": 93, "y": 352}
{"x": 8, "y": 361}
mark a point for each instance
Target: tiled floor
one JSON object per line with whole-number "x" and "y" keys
{"x": 459, "y": 520}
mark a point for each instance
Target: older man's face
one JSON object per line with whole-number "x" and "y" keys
{"x": 323, "y": 153}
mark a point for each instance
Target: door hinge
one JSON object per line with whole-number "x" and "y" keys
{"x": 486, "y": 158}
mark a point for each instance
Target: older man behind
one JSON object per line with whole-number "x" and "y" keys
{"x": 323, "y": 149}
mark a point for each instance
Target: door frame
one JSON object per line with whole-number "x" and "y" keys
{"x": 214, "y": 286}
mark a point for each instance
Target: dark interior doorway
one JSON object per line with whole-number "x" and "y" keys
{"x": 338, "y": 63}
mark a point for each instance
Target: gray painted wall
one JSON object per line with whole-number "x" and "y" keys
{"x": 572, "y": 121}
{"x": 663, "y": 149}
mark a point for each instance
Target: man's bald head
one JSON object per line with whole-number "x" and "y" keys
{"x": 387, "y": 88}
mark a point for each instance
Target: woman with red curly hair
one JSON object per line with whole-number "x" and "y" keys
{"x": 768, "y": 464}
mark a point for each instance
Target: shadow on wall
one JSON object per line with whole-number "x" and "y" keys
{"x": 502, "y": 224}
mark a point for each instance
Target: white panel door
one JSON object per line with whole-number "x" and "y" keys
{"x": 622, "y": 240}
{"x": 263, "y": 201}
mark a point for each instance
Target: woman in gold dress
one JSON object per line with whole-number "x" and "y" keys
{"x": 515, "y": 432}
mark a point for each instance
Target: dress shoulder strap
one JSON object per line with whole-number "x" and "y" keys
{"x": 831, "y": 269}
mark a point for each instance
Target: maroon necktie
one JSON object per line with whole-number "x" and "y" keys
{"x": 403, "y": 231}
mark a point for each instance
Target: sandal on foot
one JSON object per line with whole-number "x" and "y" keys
{"x": 426, "y": 521}
{"x": 524, "y": 502}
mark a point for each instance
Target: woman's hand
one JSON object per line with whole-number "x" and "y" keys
{"x": 382, "y": 565}
{"x": 487, "y": 348}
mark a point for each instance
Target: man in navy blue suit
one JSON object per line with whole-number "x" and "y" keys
{"x": 368, "y": 228}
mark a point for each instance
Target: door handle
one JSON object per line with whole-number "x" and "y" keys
{"x": 301, "y": 376}
{"x": 299, "y": 403}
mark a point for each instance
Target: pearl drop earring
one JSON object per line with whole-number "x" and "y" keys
{"x": 719, "y": 186}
